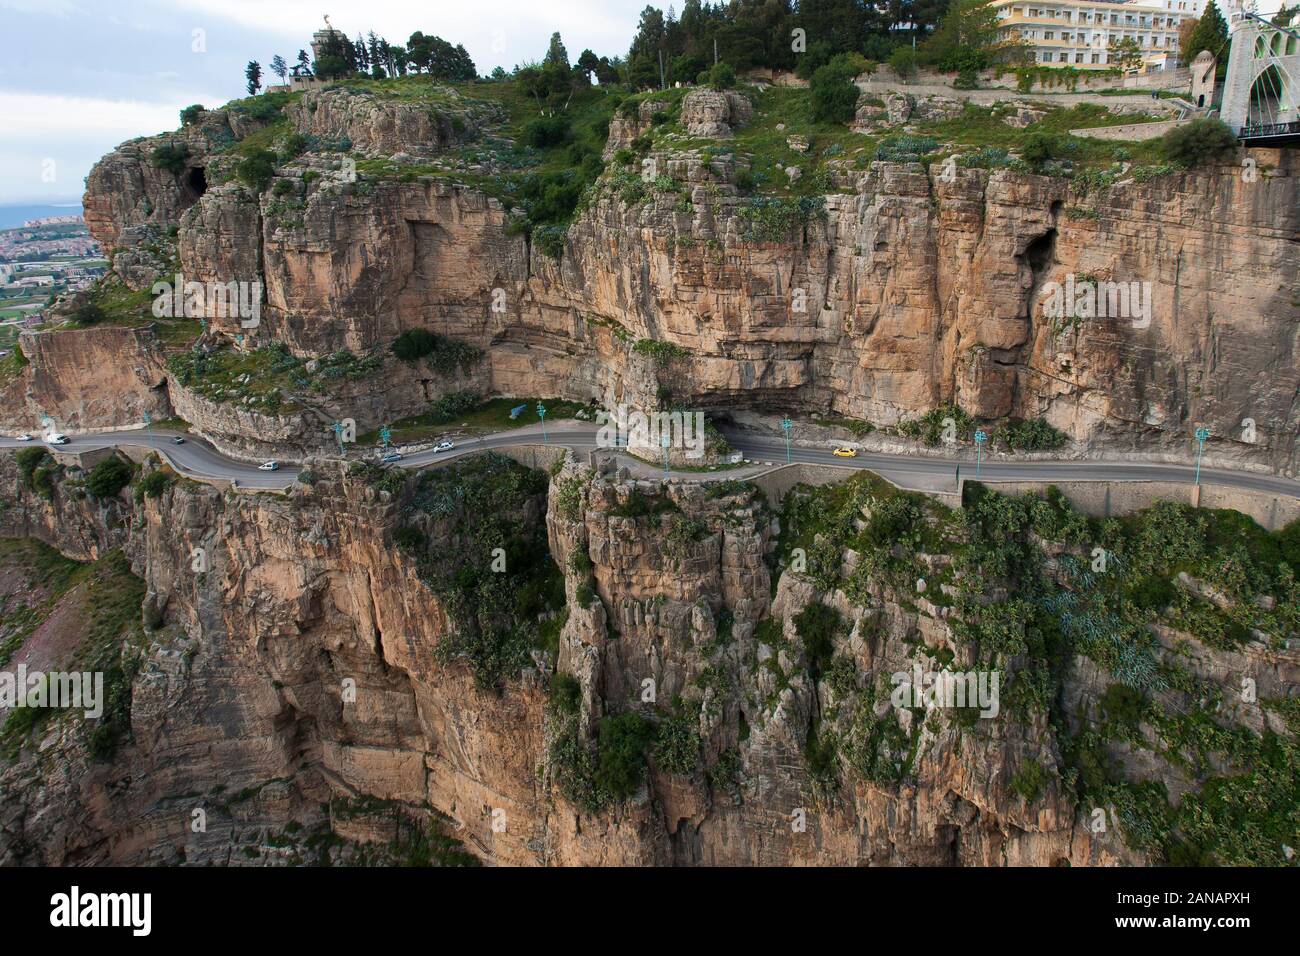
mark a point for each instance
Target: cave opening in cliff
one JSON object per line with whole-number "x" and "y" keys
{"x": 196, "y": 179}
{"x": 1039, "y": 253}
{"x": 1038, "y": 256}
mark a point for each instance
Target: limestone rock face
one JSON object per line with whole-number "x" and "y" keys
{"x": 908, "y": 292}
{"x": 898, "y": 108}
{"x": 86, "y": 379}
{"x": 715, "y": 114}
{"x": 237, "y": 708}
{"x": 378, "y": 127}
{"x": 127, "y": 189}
{"x": 624, "y": 128}
{"x": 935, "y": 108}
{"x": 1024, "y": 115}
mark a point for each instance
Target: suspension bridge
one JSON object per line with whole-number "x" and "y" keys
{"x": 1259, "y": 95}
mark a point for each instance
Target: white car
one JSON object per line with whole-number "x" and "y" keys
{"x": 391, "y": 457}
{"x": 271, "y": 465}
{"x": 55, "y": 438}
{"x": 444, "y": 445}
{"x": 24, "y": 437}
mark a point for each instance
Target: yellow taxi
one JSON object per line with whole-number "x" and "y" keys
{"x": 844, "y": 451}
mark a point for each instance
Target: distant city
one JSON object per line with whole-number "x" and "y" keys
{"x": 41, "y": 259}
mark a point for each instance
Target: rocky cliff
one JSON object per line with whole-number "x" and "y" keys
{"x": 310, "y": 664}
{"x": 569, "y": 666}
{"x": 904, "y": 290}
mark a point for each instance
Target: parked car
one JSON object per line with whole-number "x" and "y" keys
{"x": 271, "y": 465}
{"x": 444, "y": 445}
{"x": 391, "y": 457}
{"x": 844, "y": 451}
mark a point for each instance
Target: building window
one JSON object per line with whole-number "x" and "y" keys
{"x": 1049, "y": 34}
{"x": 1047, "y": 57}
{"x": 1096, "y": 58}
{"x": 1078, "y": 58}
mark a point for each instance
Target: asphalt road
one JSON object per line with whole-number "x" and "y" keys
{"x": 198, "y": 459}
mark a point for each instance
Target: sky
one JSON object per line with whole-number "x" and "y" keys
{"x": 78, "y": 77}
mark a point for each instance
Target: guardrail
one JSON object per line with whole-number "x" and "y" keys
{"x": 1270, "y": 130}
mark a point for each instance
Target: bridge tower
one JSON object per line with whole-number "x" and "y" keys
{"x": 1259, "y": 95}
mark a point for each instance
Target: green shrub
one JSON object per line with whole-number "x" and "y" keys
{"x": 903, "y": 61}
{"x": 620, "y": 753}
{"x": 171, "y": 157}
{"x": 544, "y": 132}
{"x": 88, "y": 313}
{"x": 108, "y": 477}
{"x": 409, "y": 538}
{"x": 1028, "y": 781}
{"x": 29, "y": 459}
{"x": 1040, "y": 148}
{"x": 677, "y": 745}
{"x": 722, "y": 76}
{"x": 256, "y": 170}
{"x": 661, "y": 352}
{"x": 580, "y": 560}
{"x": 834, "y": 94}
{"x": 154, "y": 484}
{"x": 1032, "y": 435}
{"x": 550, "y": 239}
{"x": 817, "y": 626}
{"x": 905, "y": 149}
{"x": 566, "y": 694}
{"x": 442, "y": 354}
{"x": 1201, "y": 141}
{"x": 191, "y": 114}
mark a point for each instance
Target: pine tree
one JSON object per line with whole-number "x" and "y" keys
{"x": 279, "y": 67}
{"x": 557, "y": 54}
{"x": 253, "y": 73}
{"x": 1210, "y": 33}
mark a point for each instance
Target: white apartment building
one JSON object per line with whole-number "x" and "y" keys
{"x": 1079, "y": 34}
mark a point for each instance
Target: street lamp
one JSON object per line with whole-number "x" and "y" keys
{"x": 980, "y": 439}
{"x": 1202, "y": 435}
{"x": 786, "y": 425}
{"x": 338, "y": 433}
{"x": 541, "y": 413}
{"x": 385, "y": 435}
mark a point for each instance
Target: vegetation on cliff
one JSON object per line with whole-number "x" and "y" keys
{"x": 1034, "y": 587}
{"x": 488, "y": 511}
{"x": 268, "y": 379}
{"x": 99, "y": 602}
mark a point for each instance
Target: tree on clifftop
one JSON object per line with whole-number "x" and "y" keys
{"x": 279, "y": 67}
{"x": 253, "y": 73}
{"x": 1210, "y": 33}
{"x": 967, "y": 39}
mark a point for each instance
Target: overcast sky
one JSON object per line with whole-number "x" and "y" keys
{"x": 77, "y": 77}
